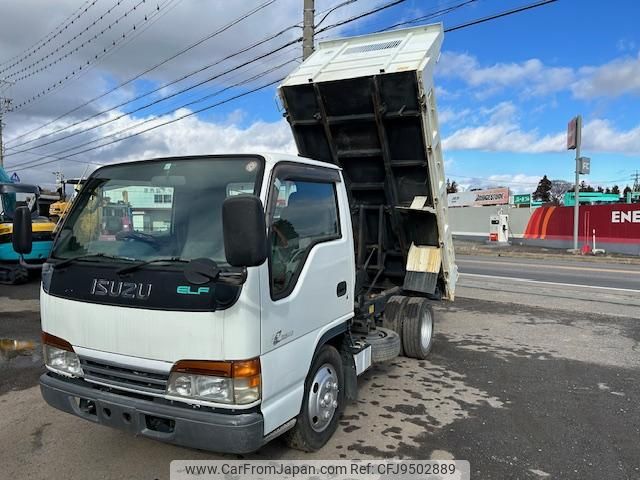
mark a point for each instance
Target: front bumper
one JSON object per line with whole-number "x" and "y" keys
{"x": 218, "y": 432}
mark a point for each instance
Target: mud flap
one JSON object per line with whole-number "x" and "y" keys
{"x": 350, "y": 375}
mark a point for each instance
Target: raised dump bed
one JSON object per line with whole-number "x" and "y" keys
{"x": 367, "y": 104}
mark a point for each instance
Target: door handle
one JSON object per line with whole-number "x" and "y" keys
{"x": 341, "y": 289}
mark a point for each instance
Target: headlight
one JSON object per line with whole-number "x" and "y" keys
{"x": 60, "y": 357}
{"x": 201, "y": 387}
{"x": 221, "y": 382}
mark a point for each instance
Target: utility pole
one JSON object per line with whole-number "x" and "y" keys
{"x": 5, "y": 106}
{"x": 636, "y": 181}
{"x": 308, "y": 30}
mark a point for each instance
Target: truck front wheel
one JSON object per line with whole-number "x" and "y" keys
{"x": 322, "y": 404}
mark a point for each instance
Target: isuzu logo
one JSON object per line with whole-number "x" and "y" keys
{"x": 111, "y": 288}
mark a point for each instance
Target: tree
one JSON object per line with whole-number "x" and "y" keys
{"x": 584, "y": 187}
{"x": 452, "y": 187}
{"x": 558, "y": 189}
{"x": 542, "y": 193}
{"x": 607, "y": 191}
{"x": 600, "y": 189}
{"x": 627, "y": 189}
{"x": 615, "y": 190}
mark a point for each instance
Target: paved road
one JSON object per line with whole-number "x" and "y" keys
{"x": 609, "y": 275}
{"x": 522, "y": 382}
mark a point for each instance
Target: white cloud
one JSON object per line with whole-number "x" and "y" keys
{"x": 532, "y": 77}
{"x": 191, "y": 136}
{"x": 613, "y": 79}
{"x": 601, "y": 136}
{"x": 451, "y": 116}
{"x": 502, "y": 138}
{"x": 501, "y": 132}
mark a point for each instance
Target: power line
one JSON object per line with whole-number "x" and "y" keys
{"x": 155, "y": 102}
{"x": 50, "y": 36}
{"x": 182, "y": 117}
{"x": 96, "y": 57}
{"x": 333, "y": 9}
{"x": 362, "y": 15}
{"x": 31, "y": 66}
{"x": 182, "y": 105}
{"x": 199, "y": 42}
{"x": 438, "y": 13}
{"x": 499, "y": 15}
{"x": 245, "y": 81}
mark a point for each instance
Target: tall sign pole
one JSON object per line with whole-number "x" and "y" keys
{"x": 574, "y": 139}
{"x": 308, "y": 30}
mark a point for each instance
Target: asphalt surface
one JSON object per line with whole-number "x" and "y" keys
{"x": 526, "y": 380}
{"x": 601, "y": 274}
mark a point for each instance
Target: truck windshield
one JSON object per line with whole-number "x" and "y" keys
{"x": 169, "y": 208}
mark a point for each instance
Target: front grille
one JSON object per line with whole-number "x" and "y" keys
{"x": 119, "y": 376}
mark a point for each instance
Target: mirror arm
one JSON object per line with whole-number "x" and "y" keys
{"x": 233, "y": 278}
{"x": 29, "y": 266}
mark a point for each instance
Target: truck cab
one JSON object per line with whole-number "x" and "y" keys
{"x": 162, "y": 333}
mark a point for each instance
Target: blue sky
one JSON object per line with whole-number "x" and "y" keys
{"x": 505, "y": 89}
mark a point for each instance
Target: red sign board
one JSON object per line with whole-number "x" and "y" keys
{"x": 572, "y": 134}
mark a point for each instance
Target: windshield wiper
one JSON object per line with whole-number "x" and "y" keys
{"x": 70, "y": 260}
{"x": 136, "y": 266}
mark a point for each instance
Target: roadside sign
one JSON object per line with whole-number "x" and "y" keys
{"x": 572, "y": 134}
{"x": 523, "y": 199}
{"x": 478, "y": 198}
{"x": 15, "y": 178}
{"x": 584, "y": 164}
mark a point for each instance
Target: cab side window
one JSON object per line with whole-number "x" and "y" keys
{"x": 305, "y": 214}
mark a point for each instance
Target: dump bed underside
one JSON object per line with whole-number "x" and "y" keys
{"x": 372, "y": 128}
{"x": 366, "y": 104}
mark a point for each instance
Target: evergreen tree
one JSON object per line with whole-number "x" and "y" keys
{"x": 543, "y": 192}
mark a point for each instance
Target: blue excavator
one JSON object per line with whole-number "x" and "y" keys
{"x": 12, "y": 196}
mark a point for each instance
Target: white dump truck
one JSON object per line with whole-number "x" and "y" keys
{"x": 241, "y": 295}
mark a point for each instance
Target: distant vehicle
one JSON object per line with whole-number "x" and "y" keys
{"x": 231, "y": 299}
{"x": 13, "y": 196}
{"x": 59, "y": 209}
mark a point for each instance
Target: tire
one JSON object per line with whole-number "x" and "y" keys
{"x": 13, "y": 275}
{"x": 393, "y": 317}
{"x": 385, "y": 344}
{"x": 417, "y": 328}
{"x": 311, "y": 432}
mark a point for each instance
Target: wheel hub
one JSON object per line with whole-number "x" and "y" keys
{"x": 323, "y": 397}
{"x": 426, "y": 331}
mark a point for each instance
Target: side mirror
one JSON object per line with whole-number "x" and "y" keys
{"x": 245, "y": 231}
{"x": 22, "y": 239}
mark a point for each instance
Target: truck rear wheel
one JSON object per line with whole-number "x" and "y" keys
{"x": 393, "y": 317}
{"x": 322, "y": 404}
{"x": 417, "y": 328}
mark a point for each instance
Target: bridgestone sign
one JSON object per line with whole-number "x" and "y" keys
{"x": 494, "y": 196}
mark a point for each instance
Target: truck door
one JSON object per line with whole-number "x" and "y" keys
{"x": 308, "y": 286}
